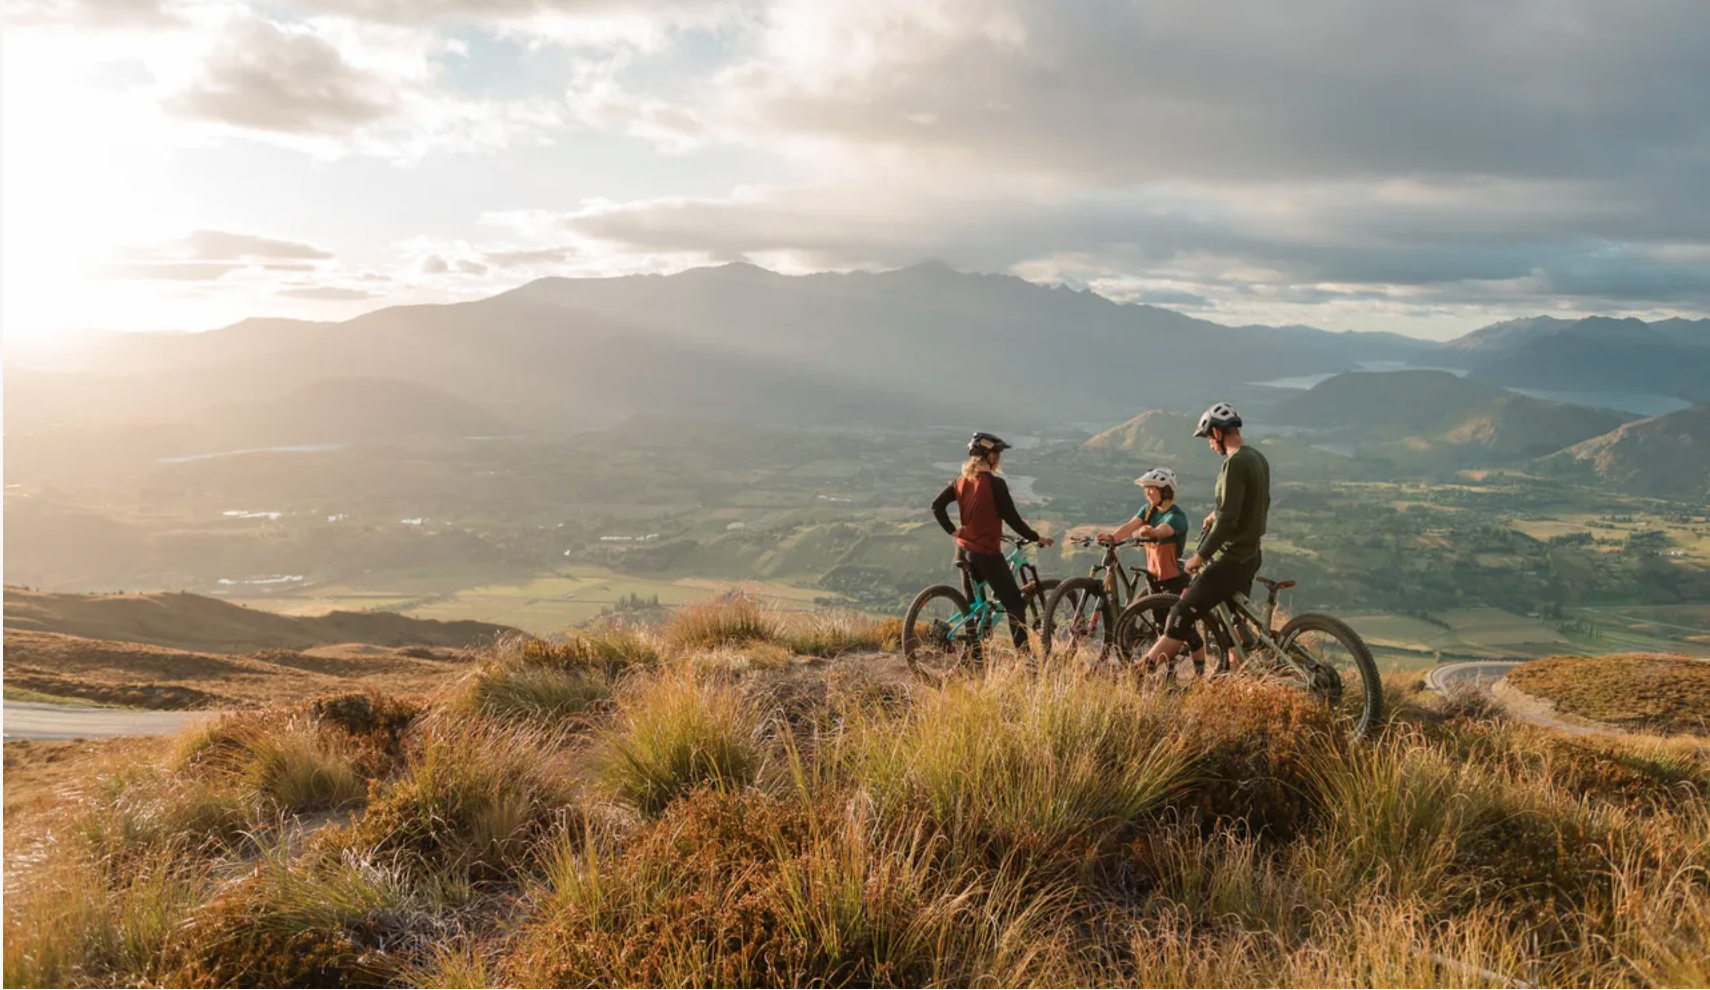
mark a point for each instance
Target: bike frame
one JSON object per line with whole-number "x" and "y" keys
{"x": 983, "y": 612}
{"x": 1260, "y": 624}
{"x": 1125, "y": 587}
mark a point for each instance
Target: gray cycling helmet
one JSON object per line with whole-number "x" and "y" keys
{"x": 1220, "y": 416}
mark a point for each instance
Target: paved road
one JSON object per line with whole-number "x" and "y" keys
{"x": 34, "y": 720}
{"x": 1482, "y": 673}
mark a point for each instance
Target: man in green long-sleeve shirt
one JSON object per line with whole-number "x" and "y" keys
{"x": 1227, "y": 559}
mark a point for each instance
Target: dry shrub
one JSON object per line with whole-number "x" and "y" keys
{"x": 471, "y": 802}
{"x": 743, "y": 889}
{"x": 280, "y": 927}
{"x": 1257, "y": 745}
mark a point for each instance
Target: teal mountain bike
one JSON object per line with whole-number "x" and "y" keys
{"x": 945, "y": 629}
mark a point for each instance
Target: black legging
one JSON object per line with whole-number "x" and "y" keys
{"x": 994, "y": 570}
{"x": 1190, "y": 634}
{"x": 1217, "y": 583}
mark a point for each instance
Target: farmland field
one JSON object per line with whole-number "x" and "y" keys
{"x": 541, "y": 604}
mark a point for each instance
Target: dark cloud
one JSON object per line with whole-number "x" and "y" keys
{"x": 433, "y": 264}
{"x": 264, "y": 78}
{"x": 467, "y": 267}
{"x": 1121, "y": 92}
{"x": 327, "y": 292}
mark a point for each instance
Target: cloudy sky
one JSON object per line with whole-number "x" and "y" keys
{"x": 1424, "y": 166}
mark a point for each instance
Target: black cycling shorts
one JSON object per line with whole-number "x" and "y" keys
{"x": 1219, "y": 581}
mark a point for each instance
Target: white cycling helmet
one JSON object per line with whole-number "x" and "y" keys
{"x": 1157, "y": 477}
{"x": 1221, "y": 416}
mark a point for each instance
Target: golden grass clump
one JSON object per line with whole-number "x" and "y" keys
{"x": 735, "y": 618}
{"x": 700, "y": 806}
{"x": 676, "y": 733}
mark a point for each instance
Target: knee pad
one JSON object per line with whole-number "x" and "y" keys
{"x": 1180, "y": 623}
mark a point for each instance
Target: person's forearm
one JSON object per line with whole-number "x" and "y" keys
{"x": 1127, "y": 529}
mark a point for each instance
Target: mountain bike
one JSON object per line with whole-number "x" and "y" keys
{"x": 946, "y": 628}
{"x": 1314, "y": 651}
{"x": 1082, "y": 613}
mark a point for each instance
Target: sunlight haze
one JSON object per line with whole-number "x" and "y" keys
{"x": 1426, "y": 168}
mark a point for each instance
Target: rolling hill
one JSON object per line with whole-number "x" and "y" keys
{"x": 1666, "y": 456}
{"x": 197, "y": 623}
{"x": 737, "y": 342}
{"x": 1436, "y": 413}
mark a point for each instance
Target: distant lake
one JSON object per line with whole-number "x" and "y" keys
{"x": 301, "y": 448}
{"x": 1020, "y": 485}
{"x": 1637, "y": 403}
{"x": 1309, "y": 381}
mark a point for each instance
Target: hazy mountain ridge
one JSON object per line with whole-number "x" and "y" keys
{"x": 740, "y": 342}
{"x": 1666, "y": 456}
{"x": 1423, "y": 410}
{"x": 1597, "y": 353}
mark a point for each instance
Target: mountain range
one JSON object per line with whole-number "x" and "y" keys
{"x": 925, "y": 343}
{"x": 1594, "y": 354}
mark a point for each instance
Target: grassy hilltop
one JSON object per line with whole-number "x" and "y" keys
{"x": 742, "y": 797}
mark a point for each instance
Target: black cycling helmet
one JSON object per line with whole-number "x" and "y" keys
{"x": 1220, "y": 416}
{"x": 985, "y": 444}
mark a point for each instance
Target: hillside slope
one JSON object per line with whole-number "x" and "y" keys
{"x": 1666, "y": 456}
{"x": 1437, "y": 413}
{"x": 199, "y": 624}
{"x": 141, "y": 675}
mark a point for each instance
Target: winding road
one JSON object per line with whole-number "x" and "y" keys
{"x": 36, "y": 720}
{"x": 1471, "y": 673}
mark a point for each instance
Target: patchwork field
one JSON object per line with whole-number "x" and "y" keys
{"x": 1474, "y": 632}
{"x": 542, "y": 604}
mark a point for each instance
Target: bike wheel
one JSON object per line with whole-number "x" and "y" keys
{"x": 937, "y": 639}
{"x": 1142, "y": 623}
{"x": 1078, "y": 621}
{"x": 1035, "y": 597}
{"x": 1339, "y": 669}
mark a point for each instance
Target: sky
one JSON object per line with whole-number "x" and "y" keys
{"x": 1419, "y": 166}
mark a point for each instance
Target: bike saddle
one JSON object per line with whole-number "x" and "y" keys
{"x": 1275, "y": 585}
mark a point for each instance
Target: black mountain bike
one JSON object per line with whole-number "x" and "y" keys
{"x": 1081, "y": 614}
{"x": 1314, "y": 651}
{"x": 946, "y": 628}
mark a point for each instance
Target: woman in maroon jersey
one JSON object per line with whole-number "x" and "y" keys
{"x": 982, "y": 499}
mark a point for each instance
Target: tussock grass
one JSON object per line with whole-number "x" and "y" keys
{"x": 676, "y": 733}
{"x": 722, "y": 818}
{"x": 832, "y": 634}
{"x": 732, "y": 619}
{"x": 533, "y": 693}
{"x": 1044, "y": 765}
{"x": 471, "y": 802}
{"x": 83, "y": 921}
{"x": 611, "y": 650}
